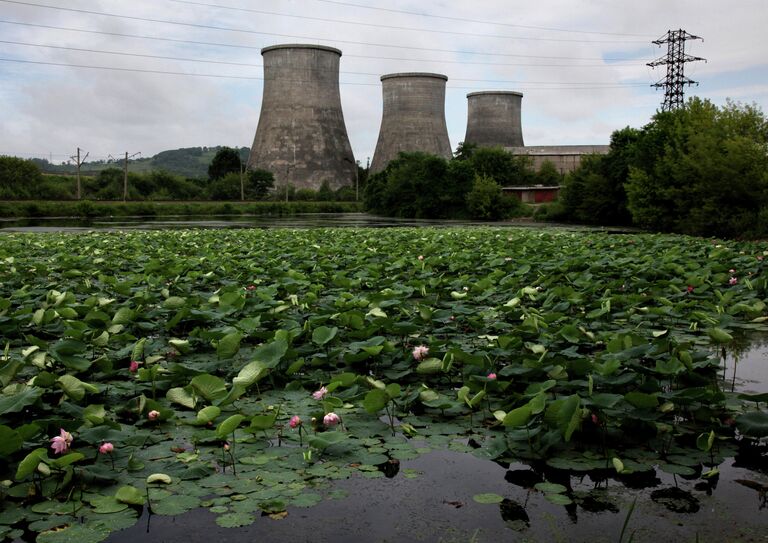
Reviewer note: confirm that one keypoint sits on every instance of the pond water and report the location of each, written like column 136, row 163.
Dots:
column 431, row 499
column 306, row 220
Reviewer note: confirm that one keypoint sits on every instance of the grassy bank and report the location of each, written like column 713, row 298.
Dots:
column 87, row 208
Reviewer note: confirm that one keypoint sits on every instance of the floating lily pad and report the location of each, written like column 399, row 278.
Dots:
column 488, row 498
column 235, row 520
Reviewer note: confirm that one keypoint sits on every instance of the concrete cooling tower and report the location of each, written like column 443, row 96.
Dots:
column 301, row 137
column 493, row 119
column 413, row 118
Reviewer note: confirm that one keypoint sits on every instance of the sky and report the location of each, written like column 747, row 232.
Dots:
column 143, row 76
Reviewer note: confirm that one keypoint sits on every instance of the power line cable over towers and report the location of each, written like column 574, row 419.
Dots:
column 675, row 60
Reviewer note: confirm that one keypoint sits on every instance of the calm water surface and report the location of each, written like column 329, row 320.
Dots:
column 307, row 220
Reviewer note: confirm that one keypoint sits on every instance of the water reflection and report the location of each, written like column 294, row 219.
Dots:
column 306, row 220
column 745, row 364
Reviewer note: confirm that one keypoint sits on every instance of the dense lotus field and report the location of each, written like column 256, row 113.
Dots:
column 243, row 371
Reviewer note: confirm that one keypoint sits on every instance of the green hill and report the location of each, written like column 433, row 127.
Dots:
column 190, row 162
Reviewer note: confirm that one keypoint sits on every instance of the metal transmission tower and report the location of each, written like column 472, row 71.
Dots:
column 675, row 60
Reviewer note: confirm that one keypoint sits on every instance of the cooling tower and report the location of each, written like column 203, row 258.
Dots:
column 493, row 119
column 301, row 137
column 413, row 118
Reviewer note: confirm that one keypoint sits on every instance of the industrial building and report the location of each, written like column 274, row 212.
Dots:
column 301, row 136
column 302, row 139
column 413, row 117
column 493, row 119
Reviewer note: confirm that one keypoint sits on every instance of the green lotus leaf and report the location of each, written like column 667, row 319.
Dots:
column 130, row 495
column 229, row 345
column 209, row 386
column 74, row 532
column 181, row 396
column 10, row 440
column 375, row 400
column 323, row 335
column 229, row 425
column 159, row 478
column 270, row 354
column 488, row 498
column 208, row 414
column 753, row 424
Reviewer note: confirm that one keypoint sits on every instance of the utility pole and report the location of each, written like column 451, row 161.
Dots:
column 242, row 181
column 79, row 163
column 675, row 60
column 125, row 172
column 357, row 180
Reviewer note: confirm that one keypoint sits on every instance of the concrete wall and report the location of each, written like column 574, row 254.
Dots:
column 301, row 136
column 413, row 117
column 566, row 158
column 493, row 119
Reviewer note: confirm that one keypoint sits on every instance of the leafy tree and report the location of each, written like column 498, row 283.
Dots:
column 419, row 185
column 702, row 170
column 486, row 200
column 504, row 167
column 324, row 193
column 256, row 185
column 19, row 179
column 226, row 160
column 548, row 175
column 464, row 151
column 594, row 192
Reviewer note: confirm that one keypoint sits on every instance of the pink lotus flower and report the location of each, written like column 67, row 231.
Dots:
column 250, row 287
column 226, row 446
column 61, row 443
column 731, row 271
column 320, row 394
column 152, row 415
column 733, row 280
column 421, row 257
column 420, row 352
column 295, row 421
column 491, row 376
column 331, row 419
column 760, row 257
column 106, row 448
column 134, row 367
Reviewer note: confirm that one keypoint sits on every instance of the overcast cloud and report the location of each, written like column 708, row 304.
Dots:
column 574, row 92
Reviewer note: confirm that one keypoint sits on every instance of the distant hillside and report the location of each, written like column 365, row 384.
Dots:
column 188, row 162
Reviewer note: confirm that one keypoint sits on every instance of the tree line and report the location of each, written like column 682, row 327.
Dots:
column 227, row 179
column 699, row 170
column 419, row 185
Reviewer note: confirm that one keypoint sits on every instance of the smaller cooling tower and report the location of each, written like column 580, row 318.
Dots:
column 493, row 119
column 413, row 118
column 301, row 136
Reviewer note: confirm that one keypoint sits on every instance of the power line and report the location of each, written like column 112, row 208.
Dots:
column 463, row 20
column 312, row 38
column 221, row 76
column 614, row 61
column 374, row 25
column 186, row 59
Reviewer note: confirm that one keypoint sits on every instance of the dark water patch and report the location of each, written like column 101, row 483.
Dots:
column 438, row 505
column 305, row 220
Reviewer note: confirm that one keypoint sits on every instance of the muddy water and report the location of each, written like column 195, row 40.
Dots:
column 437, row 504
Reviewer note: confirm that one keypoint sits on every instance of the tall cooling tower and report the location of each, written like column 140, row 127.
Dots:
column 301, row 137
column 493, row 119
column 413, row 118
